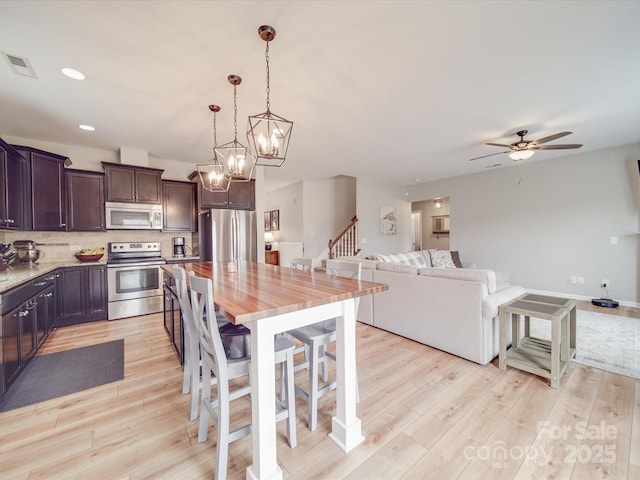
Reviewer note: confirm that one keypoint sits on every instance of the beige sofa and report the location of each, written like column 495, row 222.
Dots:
column 451, row 309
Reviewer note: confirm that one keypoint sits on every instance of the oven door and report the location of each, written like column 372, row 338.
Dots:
column 128, row 282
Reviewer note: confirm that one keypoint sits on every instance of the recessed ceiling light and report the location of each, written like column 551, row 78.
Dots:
column 417, row 179
column 88, row 128
column 71, row 73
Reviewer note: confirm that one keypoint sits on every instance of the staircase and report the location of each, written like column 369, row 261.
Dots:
column 346, row 243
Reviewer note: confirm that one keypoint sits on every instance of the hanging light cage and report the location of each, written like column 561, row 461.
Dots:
column 268, row 134
column 212, row 174
column 237, row 160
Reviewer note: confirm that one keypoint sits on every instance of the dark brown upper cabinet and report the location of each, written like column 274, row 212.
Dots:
column 14, row 188
column 132, row 184
column 47, row 208
column 85, row 201
column 179, row 206
column 240, row 196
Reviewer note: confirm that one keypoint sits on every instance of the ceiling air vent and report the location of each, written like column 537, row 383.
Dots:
column 20, row 65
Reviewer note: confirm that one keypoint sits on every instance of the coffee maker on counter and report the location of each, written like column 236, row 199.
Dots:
column 179, row 247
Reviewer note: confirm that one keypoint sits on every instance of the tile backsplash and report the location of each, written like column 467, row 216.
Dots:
column 76, row 241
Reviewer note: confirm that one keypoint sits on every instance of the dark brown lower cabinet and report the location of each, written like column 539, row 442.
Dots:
column 83, row 294
column 173, row 317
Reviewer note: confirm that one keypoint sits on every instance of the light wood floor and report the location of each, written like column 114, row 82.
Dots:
column 425, row 414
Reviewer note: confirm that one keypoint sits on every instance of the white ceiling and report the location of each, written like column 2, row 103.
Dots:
column 388, row 90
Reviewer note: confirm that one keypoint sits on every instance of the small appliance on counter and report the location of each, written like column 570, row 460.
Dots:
column 179, row 247
column 27, row 251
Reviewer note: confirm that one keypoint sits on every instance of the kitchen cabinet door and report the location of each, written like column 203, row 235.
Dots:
column 178, row 206
column 72, row 295
column 28, row 331
column 148, row 186
column 85, row 201
column 96, row 292
column 47, row 210
column 46, row 312
column 11, row 345
column 14, row 188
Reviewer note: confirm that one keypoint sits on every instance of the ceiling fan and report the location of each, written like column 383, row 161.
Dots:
column 523, row 149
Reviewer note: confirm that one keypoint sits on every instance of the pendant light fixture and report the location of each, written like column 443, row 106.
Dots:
column 212, row 174
column 235, row 157
column 268, row 134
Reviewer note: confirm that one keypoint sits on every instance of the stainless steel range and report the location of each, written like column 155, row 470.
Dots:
column 135, row 279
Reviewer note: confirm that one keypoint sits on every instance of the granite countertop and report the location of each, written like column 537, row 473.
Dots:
column 15, row 275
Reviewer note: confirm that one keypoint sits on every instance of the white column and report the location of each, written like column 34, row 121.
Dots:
column 346, row 430
column 263, row 413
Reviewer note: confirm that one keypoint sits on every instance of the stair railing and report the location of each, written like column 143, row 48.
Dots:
column 346, row 243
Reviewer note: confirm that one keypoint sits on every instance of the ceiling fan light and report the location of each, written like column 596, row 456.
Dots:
column 521, row 154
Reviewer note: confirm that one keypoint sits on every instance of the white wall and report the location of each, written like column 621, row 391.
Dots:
column 544, row 222
column 370, row 197
column 289, row 201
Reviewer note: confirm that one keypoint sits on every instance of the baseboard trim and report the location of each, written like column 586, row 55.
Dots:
column 572, row 296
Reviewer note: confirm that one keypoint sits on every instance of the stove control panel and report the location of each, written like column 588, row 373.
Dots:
column 133, row 247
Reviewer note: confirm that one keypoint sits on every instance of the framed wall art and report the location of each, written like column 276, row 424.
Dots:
column 267, row 221
column 275, row 220
column 387, row 221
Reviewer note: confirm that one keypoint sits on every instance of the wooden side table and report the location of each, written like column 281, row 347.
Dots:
column 549, row 359
column 272, row 257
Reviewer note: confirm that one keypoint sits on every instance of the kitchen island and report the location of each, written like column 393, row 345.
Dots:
column 269, row 300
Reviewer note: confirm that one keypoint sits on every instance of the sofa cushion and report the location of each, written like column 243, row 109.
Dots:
column 416, row 259
column 487, row 277
column 441, row 258
column 397, row 267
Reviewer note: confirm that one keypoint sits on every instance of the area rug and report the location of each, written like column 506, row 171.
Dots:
column 604, row 341
column 61, row 373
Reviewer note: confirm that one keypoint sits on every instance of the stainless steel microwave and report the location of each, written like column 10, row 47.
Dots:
column 133, row 216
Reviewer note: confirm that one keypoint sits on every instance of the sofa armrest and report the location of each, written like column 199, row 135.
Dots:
column 491, row 303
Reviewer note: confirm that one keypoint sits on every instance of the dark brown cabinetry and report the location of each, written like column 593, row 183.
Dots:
column 173, row 322
column 272, row 257
column 240, row 196
column 83, row 294
column 14, row 188
column 46, row 208
column 179, row 206
column 85, row 201
column 132, row 184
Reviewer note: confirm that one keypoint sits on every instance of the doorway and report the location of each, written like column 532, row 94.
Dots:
column 416, row 230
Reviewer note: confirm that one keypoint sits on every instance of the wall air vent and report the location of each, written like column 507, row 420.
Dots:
column 19, row 65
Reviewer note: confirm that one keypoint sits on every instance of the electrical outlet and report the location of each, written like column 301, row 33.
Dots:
column 605, row 283
column 581, row 280
column 74, row 248
column 573, row 279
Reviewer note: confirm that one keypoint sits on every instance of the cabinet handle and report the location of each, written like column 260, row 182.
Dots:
column 63, row 224
column 23, row 313
column 50, row 294
column 52, row 277
column 11, row 220
column 39, row 284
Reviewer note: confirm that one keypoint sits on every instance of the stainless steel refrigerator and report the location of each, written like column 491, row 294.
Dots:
column 228, row 235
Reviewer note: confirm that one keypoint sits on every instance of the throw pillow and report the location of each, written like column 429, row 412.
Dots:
column 441, row 258
column 415, row 259
column 455, row 256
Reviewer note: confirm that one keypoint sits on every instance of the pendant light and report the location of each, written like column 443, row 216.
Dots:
column 212, row 174
column 268, row 134
column 236, row 158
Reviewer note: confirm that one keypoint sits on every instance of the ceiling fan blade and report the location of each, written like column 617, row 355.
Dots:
column 557, row 147
column 498, row 145
column 552, row 137
column 490, row 155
